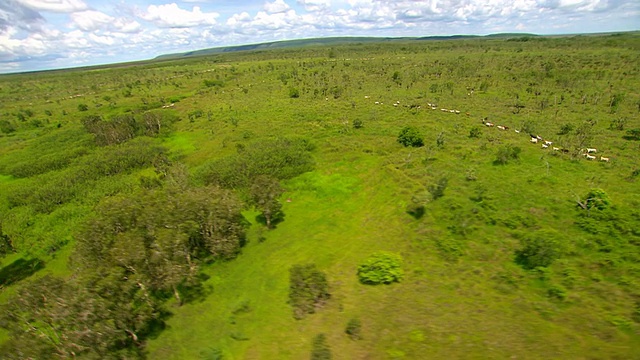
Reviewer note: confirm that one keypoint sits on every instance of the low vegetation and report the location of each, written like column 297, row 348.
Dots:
column 253, row 204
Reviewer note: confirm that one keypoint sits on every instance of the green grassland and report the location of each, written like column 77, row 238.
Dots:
column 463, row 294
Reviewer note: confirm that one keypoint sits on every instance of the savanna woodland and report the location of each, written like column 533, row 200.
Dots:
column 462, row 198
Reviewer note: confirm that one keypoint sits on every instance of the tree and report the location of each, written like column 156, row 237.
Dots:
column 410, row 136
column 381, row 268
column 308, row 289
column 70, row 319
column 265, row 192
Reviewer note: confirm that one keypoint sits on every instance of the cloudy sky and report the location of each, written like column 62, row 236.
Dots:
column 46, row 34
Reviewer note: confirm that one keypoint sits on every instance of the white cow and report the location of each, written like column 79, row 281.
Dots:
column 602, row 158
column 534, row 140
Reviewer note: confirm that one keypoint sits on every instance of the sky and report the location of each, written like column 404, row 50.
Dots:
column 51, row 34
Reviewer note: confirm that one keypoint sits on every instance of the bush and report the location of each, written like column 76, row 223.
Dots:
column 475, row 132
column 308, row 289
column 357, row 124
column 539, row 249
column 294, row 93
column 381, row 268
column 565, row 129
column 321, row 349
column 354, row 327
column 506, row 153
column 410, row 136
column 437, row 190
column 83, row 107
column 598, row 199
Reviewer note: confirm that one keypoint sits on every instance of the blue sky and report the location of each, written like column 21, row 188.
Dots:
column 49, row 34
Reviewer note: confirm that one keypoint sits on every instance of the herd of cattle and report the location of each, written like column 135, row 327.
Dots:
column 535, row 139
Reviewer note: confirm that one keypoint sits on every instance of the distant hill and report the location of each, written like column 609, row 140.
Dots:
column 323, row 41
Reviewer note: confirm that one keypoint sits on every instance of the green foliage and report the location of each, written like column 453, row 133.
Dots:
column 566, row 129
column 320, row 349
column 437, row 190
column 633, row 134
column 264, row 193
column 358, row 124
column 410, row 136
column 381, row 268
column 597, row 199
column 539, row 249
column 121, row 128
column 294, row 93
column 507, row 153
column 83, row 107
column 282, row 159
column 213, row 83
column 618, row 124
column 7, row 127
column 475, row 132
column 308, row 289
column 354, row 329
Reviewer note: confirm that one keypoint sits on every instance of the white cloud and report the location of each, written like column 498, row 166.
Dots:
column 60, row 6
column 315, row 5
column 171, row 16
column 92, row 20
column 276, row 7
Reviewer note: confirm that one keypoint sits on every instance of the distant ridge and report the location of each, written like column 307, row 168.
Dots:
column 326, row 41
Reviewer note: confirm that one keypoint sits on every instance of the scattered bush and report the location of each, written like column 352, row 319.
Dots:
column 321, row 349
column 506, row 153
column 597, row 199
column 475, row 132
column 357, row 124
column 294, row 93
column 410, row 136
column 354, row 328
column 539, row 249
column 308, row 289
column 565, row 129
column 437, row 190
column 633, row 134
column 381, row 268
column 83, row 107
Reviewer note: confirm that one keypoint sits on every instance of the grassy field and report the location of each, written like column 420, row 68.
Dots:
column 463, row 294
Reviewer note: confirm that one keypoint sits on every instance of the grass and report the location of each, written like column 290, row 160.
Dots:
column 462, row 296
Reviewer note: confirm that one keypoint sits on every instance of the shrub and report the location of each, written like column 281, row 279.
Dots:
column 83, row 107
column 437, row 190
column 410, row 136
column 381, row 268
column 597, row 199
column 308, row 289
column 539, row 249
column 357, row 124
column 506, row 153
column 565, row 129
column 321, row 349
column 354, row 327
column 294, row 93
column 632, row 134
column 475, row 132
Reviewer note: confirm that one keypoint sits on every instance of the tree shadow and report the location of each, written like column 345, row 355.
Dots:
column 19, row 270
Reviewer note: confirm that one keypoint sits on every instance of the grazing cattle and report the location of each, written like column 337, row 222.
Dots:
column 566, row 151
column 556, row 148
column 544, row 146
column 548, row 142
column 534, row 140
column 591, row 150
column 589, row 157
column 377, row 102
column 602, row 158
column 366, row 96
column 517, row 131
column 395, row 104
column 457, row 111
column 445, row 110
column 539, row 137
column 501, row 127
column 489, row 124
column 434, row 108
